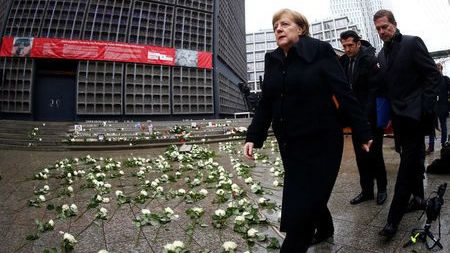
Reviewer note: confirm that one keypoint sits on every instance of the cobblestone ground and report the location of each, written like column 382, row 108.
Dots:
column 21, row 204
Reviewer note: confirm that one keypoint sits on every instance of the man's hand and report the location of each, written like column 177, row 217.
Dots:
column 366, row 146
column 248, row 150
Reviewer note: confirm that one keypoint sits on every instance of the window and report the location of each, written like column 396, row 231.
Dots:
column 270, row 36
column 250, row 57
column 260, row 46
column 259, row 66
column 316, row 27
column 271, row 45
column 329, row 25
column 318, row 36
column 259, row 37
column 259, row 56
column 249, row 38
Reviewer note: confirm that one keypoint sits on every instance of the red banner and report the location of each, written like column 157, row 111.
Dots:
column 100, row 51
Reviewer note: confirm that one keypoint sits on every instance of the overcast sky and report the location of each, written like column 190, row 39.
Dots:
column 429, row 19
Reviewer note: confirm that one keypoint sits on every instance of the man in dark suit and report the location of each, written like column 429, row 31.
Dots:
column 361, row 67
column 411, row 83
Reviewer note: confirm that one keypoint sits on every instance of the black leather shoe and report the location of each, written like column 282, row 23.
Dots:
column 381, row 197
column 361, row 198
column 320, row 237
column 389, row 230
column 413, row 205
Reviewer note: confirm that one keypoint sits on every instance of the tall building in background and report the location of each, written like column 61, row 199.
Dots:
column 261, row 42
column 360, row 13
column 147, row 59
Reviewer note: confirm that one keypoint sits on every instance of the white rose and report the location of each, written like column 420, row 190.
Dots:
column 262, row 200
column 203, row 192
column 229, row 245
column 169, row 247
column 70, row 189
column 145, row 211
column 168, row 210
column 46, row 187
column 42, row 198
column 178, row 244
column 239, row 219
column 51, row 223
column 105, row 200
column 252, row 232
column 220, row 212
column 119, row 193
column 70, row 238
column 74, row 208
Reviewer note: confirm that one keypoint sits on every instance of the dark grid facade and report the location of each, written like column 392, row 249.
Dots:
column 127, row 90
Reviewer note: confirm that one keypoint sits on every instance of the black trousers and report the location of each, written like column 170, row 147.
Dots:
column 299, row 240
column 371, row 164
column 409, row 134
column 311, row 164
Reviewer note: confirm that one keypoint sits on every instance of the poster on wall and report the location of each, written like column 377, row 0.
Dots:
column 21, row 46
column 103, row 51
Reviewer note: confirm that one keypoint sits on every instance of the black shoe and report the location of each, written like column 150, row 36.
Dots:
column 389, row 230
column 381, row 197
column 361, row 198
column 320, row 237
column 413, row 205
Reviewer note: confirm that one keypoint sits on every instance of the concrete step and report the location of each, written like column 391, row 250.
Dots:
column 117, row 135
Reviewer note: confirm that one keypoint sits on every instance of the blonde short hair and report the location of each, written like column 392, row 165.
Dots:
column 297, row 17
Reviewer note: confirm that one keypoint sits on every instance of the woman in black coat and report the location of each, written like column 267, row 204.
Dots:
column 301, row 76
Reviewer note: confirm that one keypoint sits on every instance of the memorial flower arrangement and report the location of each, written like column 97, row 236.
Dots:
column 162, row 179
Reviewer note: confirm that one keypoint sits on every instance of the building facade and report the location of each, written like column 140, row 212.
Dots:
column 145, row 59
column 261, row 42
column 360, row 12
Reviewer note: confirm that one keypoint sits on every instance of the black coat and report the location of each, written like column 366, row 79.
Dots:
column 364, row 80
column 297, row 94
column 444, row 87
column 297, row 100
column 412, row 82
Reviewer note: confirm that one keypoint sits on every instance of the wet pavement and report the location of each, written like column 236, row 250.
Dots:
column 124, row 227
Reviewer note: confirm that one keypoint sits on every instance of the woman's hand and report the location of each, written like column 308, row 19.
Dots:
column 248, row 150
column 366, row 146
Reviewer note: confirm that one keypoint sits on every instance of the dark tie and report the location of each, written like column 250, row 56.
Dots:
column 350, row 70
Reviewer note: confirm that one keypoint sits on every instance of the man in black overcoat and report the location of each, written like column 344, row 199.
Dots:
column 361, row 67
column 411, row 81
